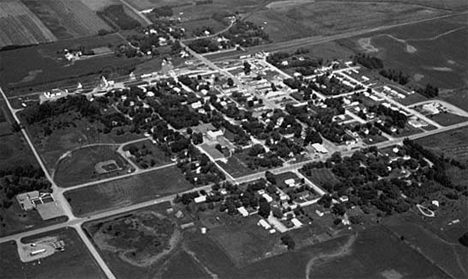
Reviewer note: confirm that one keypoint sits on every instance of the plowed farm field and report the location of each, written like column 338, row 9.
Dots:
column 67, row 19
column 19, row 26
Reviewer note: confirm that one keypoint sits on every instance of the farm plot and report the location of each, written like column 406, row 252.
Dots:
column 20, row 26
column 452, row 144
column 67, row 19
column 127, row 191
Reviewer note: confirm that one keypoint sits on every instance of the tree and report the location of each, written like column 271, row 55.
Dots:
column 264, row 208
column 230, row 82
column 288, row 241
column 270, row 177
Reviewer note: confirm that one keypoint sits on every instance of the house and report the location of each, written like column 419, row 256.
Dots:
column 25, row 200
column 344, row 198
column 290, row 182
column 197, row 105
column 243, row 211
column 296, row 222
column 319, row 148
column 264, row 224
column 200, row 199
column 213, row 135
column 267, row 197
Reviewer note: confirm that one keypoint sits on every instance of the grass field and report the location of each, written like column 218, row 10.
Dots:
column 243, row 240
column 236, row 166
column 191, row 269
column 127, row 191
column 322, row 176
column 17, row 220
column 20, row 26
column 135, row 244
column 79, row 165
column 453, row 144
column 447, row 4
column 447, row 119
column 434, row 51
column 38, row 68
column 67, row 19
column 458, row 98
column 74, row 262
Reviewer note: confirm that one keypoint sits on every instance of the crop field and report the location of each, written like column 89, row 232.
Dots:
column 20, row 26
column 286, row 20
column 452, row 144
column 74, row 262
column 127, row 191
column 67, row 19
column 433, row 51
column 134, row 243
column 446, row 5
column 79, row 165
column 38, row 68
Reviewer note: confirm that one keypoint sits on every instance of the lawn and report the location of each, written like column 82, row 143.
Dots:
column 136, row 244
column 74, row 262
column 79, row 165
column 127, row 191
column 147, row 154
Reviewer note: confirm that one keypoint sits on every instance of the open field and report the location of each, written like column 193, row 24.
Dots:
column 127, row 191
column 458, row 98
column 39, row 68
column 79, row 166
column 236, row 167
column 434, row 51
column 16, row 220
column 243, row 240
column 135, row 244
column 322, row 176
column 298, row 19
column 172, row 270
column 20, row 26
column 74, row 262
column 67, row 19
column 446, row 252
column 65, row 139
column 453, row 144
